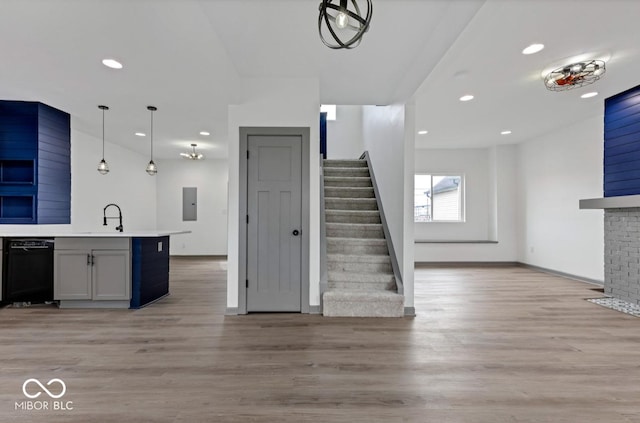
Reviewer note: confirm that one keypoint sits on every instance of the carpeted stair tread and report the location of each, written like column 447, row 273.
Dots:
column 349, row 192
column 352, row 216
column 360, row 172
column 355, row 230
column 338, row 245
column 377, row 277
column 347, row 181
column 359, row 264
column 343, row 163
column 332, row 203
column 361, row 286
column 359, row 258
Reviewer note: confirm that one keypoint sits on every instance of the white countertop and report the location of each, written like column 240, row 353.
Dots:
column 114, row 234
column 621, row 202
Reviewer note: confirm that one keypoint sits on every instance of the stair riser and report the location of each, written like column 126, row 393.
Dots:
column 346, row 172
column 349, row 192
column 352, row 217
column 357, row 249
column 352, row 258
column 332, row 308
column 354, row 232
column 359, row 267
column 348, row 182
column 362, row 286
column 386, row 278
column 345, row 204
column 344, row 163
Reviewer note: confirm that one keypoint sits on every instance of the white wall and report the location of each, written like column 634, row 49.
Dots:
column 209, row 233
column 490, row 206
column 275, row 102
column 555, row 171
column 385, row 139
column 126, row 184
column 383, row 129
column 408, row 248
column 344, row 135
column 473, row 164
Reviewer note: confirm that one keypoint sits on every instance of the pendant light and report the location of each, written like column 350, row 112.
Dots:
column 152, row 169
column 343, row 25
column 103, row 167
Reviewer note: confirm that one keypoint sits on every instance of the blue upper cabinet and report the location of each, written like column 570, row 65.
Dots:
column 35, row 165
column 622, row 144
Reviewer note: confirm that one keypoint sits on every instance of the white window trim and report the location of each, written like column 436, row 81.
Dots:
column 463, row 190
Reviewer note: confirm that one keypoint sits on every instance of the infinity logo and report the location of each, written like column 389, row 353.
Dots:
column 43, row 388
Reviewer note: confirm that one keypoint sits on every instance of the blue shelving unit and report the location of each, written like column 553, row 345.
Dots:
column 35, row 164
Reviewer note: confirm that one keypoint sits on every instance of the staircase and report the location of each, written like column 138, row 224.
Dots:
column 361, row 282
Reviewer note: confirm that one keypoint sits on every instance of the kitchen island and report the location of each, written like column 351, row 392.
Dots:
column 108, row 269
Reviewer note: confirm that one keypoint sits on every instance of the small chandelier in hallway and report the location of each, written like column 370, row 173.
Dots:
column 345, row 26
column 192, row 155
column 152, row 169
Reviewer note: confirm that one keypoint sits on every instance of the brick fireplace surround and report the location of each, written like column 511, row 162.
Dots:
column 621, row 201
column 622, row 253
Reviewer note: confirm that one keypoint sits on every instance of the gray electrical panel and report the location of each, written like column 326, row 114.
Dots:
column 189, row 203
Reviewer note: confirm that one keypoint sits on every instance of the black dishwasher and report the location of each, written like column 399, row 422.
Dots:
column 28, row 270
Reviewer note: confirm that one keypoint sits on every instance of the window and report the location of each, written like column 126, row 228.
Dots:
column 438, row 198
column 330, row 109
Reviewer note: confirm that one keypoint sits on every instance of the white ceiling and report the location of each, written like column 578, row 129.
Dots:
column 188, row 58
column 486, row 61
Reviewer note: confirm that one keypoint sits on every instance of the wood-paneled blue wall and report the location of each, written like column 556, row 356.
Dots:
column 54, row 166
column 622, row 144
column 149, row 270
column 35, row 166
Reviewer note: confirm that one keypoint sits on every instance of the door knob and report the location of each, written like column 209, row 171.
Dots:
column 296, row 232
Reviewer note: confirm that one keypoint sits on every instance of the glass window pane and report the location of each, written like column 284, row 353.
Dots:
column 447, row 198
column 422, row 198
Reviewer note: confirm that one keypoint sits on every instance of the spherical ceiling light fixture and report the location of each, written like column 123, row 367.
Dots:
column 575, row 75
column 344, row 26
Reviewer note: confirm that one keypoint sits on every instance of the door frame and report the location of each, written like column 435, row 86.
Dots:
column 304, row 134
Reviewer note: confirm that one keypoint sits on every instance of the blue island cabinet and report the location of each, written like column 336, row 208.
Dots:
column 149, row 270
column 35, row 165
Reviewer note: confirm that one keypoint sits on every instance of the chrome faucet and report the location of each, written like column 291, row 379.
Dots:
column 104, row 214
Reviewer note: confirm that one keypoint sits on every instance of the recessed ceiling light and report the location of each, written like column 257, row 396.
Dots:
column 205, row 133
column 589, row 95
column 141, row 134
column 467, row 97
column 111, row 63
column 533, row 49
column 423, row 132
column 505, row 132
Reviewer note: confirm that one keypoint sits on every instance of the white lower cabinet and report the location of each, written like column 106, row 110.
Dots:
column 92, row 272
column 72, row 275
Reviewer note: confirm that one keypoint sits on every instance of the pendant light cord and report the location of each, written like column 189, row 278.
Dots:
column 102, row 134
column 151, row 134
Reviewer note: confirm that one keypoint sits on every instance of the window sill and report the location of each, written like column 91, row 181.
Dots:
column 456, row 241
column 439, row 222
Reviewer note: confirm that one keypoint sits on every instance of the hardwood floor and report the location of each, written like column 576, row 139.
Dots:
column 488, row 345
